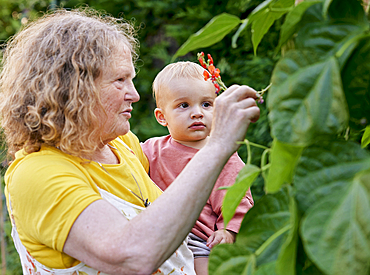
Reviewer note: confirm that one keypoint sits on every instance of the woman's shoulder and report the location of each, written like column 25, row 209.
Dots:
column 47, row 154
column 37, row 165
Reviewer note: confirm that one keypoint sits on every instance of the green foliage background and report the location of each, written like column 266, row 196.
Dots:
column 163, row 27
column 314, row 218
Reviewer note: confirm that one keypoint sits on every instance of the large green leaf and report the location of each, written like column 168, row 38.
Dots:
column 286, row 264
column 336, row 229
column 349, row 11
column 265, row 225
column 326, row 166
column 266, row 269
column 312, row 270
column 306, row 100
column 330, row 38
column 229, row 259
column 339, row 34
column 292, row 19
column 313, row 13
column 236, row 192
column 261, row 235
column 264, row 16
column 213, row 32
column 283, row 160
column 356, row 85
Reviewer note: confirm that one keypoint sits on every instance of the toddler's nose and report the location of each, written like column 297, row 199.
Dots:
column 197, row 113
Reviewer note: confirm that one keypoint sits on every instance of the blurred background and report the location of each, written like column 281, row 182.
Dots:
column 163, row 27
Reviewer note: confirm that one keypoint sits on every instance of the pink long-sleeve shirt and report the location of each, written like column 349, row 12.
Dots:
column 167, row 158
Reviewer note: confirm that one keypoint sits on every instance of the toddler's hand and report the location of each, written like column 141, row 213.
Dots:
column 221, row 236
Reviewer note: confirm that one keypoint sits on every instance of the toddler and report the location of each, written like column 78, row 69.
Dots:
column 185, row 105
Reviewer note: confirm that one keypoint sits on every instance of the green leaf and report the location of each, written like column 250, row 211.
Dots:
column 306, row 100
column 264, row 16
column 286, row 263
column 326, row 7
column 336, row 229
column 266, row 269
column 356, row 85
column 325, row 167
column 329, row 38
column 213, row 32
column 229, row 259
column 237, row 191
column 349, row 11
column 312, row 270
column 263, row 232
column 265, row 225
column 283, row 160
column 366, row 137
column 292, row 19
column 250, row 266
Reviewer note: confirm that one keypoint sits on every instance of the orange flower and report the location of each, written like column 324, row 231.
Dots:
column 217, row 72
column 202, row 63
column 206, row 75
column 211, row 72
column 211, row 69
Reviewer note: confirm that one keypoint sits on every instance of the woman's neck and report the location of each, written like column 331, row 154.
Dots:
column 105, row 155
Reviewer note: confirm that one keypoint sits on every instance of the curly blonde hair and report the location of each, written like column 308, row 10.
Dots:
column 180, row 69
column 47, row 83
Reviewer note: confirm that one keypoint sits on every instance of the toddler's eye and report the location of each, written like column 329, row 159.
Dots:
column 184, row 105
column 207, row 104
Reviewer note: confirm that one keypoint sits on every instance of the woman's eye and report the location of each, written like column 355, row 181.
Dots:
column 120, row 79
column 184, row 105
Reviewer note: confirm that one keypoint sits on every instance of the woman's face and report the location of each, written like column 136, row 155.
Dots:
column 117, row 93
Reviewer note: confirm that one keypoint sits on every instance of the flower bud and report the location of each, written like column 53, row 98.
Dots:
column 217, row 87
column 210, row 59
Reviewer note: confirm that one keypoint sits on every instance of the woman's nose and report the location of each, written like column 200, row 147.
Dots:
column 132, row 94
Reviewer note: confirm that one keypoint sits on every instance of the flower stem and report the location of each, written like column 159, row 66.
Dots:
column 249, row 158
column 258, row 145
column 264, row 90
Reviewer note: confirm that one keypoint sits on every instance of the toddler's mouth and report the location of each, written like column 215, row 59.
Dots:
column 197, row 126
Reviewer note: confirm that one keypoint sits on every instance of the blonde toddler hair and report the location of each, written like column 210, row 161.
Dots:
column 182, row 69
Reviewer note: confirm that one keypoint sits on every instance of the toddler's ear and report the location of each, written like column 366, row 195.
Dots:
column 160, row 117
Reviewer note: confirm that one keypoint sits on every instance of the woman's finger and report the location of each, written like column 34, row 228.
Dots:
column 240, row 92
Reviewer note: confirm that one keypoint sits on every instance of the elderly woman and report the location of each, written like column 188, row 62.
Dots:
column 78, row 184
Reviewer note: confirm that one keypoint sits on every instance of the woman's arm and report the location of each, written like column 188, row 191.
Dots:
column 103, row 239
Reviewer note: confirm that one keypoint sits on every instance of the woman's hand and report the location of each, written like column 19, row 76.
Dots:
column 234, row 110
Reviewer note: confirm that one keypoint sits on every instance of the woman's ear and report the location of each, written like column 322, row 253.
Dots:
column 159, row 115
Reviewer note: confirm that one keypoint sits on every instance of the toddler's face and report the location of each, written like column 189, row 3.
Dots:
column 188, row 108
